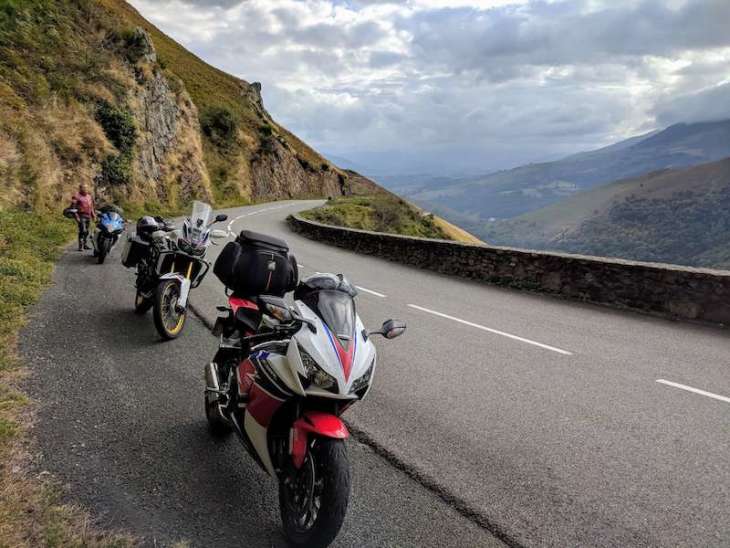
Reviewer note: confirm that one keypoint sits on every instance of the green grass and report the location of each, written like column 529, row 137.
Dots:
column 31, row 512
column 380, row 213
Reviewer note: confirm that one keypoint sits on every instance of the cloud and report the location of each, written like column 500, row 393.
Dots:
column 465, row 84
column 707, row 105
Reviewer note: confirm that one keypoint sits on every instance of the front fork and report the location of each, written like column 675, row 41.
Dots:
column 184, row 281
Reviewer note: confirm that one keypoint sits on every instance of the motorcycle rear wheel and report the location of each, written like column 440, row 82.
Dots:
column 168, row 321
column 313, row 500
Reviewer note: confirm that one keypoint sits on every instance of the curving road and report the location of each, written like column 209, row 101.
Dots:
column 500, row 417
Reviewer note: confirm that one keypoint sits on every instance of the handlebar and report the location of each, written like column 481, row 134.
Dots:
column 277, row 331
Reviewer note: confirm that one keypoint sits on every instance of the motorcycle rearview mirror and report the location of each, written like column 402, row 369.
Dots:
column 309, row 323
column 391, row 329
column 218, row 234
column 219, row 219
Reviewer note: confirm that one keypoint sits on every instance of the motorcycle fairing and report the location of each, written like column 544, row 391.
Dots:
column 345, row 356
column 321, row 346
column 238, row 302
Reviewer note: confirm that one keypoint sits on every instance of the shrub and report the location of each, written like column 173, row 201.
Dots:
column 118, row 125
column 117, row 169
column 135, row 44
column 219, row 125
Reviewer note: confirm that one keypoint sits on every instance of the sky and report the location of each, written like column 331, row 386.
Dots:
column 462, row 87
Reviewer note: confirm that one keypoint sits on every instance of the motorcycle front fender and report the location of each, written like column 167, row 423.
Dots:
column 314, row 423
column 182, row 301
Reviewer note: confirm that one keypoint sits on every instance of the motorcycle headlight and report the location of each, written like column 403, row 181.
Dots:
column 364, row 380
column 189, row 247
column 316, row 374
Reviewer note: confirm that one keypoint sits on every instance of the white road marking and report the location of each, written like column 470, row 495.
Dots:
column 257, row 212
column 371, row 292
column 495, row 331
column 695, row 390
column 300, row 265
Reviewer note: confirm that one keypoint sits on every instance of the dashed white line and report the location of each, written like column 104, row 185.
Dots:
column 494, row 331
column 695, row 390
column 371, row 292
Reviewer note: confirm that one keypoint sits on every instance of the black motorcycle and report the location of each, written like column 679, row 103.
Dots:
column 169, row 264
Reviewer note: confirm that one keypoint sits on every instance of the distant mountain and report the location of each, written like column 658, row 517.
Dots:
column 507, row 194
column 674, row 216
column 344, row 163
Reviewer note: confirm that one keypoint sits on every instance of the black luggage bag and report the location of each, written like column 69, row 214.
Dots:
column 257, row 264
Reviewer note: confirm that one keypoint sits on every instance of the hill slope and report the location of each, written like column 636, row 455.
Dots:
column 675, row 216
column 510, row 193
column 91, row 92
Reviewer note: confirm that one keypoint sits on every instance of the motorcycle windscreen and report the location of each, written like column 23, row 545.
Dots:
column 337, row 310
column 199, row 222
column 201, row 215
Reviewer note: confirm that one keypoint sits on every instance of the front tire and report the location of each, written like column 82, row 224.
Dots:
column 103, row 250
column 313, row 500
column 141, row 304
column 168, row 321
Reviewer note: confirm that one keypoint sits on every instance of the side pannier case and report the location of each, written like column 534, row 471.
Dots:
column 134, row 249
column 257, row 264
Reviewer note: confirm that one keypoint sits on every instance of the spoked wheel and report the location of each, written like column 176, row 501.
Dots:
column 313, row 500
column 141, row 303
column 168, row 321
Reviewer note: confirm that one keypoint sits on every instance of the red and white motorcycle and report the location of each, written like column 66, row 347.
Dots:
column 282, row 377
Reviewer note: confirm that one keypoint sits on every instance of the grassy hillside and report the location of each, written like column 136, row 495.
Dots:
column 370, row 207
column 380, row 213
column 528, row 188
column 674, row 216
column 92, row 92
column 236, row 126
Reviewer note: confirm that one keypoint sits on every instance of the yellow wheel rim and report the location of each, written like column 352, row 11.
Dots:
column 174, row 330
column 178, row 326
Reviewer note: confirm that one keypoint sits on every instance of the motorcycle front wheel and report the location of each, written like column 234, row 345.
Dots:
column 141, row 303
column 313, row 500
column 168, row 321
column 103, row 246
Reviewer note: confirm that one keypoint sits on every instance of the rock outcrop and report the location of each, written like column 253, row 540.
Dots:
column 169, row 161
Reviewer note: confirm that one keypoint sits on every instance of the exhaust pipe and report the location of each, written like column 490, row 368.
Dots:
column 212, row 386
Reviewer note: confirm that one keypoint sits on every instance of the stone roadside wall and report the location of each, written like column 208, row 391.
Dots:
column 661, row 290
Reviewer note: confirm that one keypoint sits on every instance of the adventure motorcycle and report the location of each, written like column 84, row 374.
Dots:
column 281, row 378
column 169, row 264
column 106, row 234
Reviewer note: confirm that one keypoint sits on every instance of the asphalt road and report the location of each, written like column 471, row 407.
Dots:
column 499, row 413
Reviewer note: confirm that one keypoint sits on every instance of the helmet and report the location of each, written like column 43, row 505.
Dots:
column 146, row 226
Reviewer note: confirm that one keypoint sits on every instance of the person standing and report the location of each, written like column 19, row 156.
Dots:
column 84, row 203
